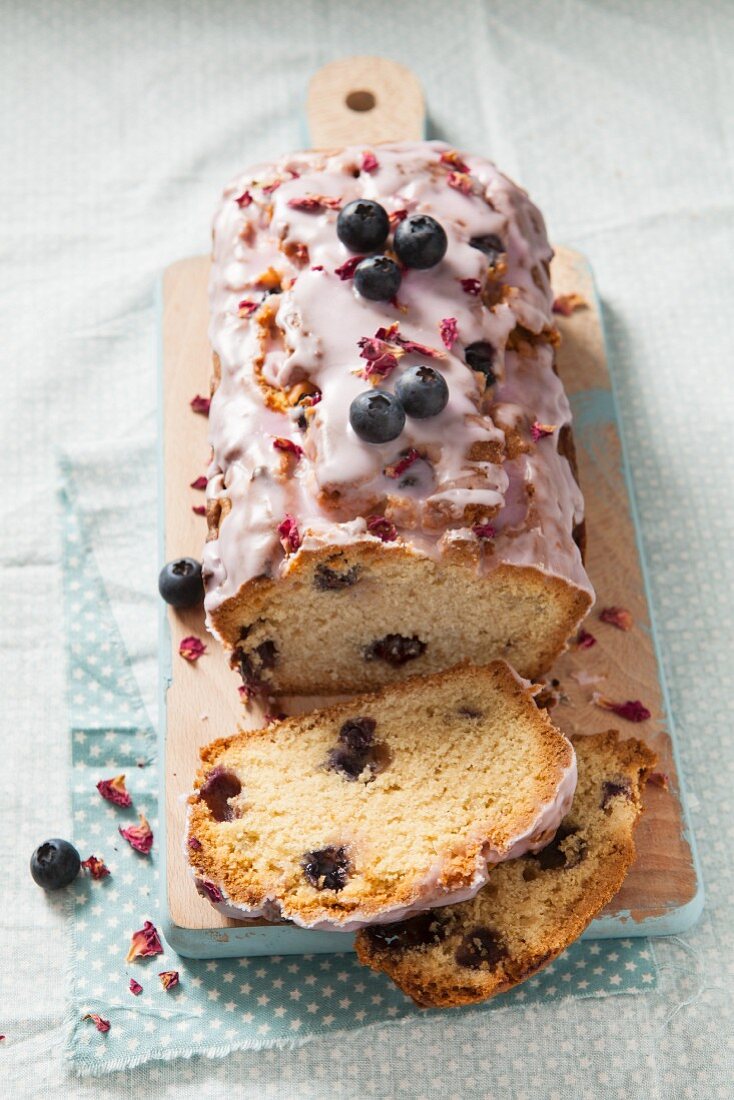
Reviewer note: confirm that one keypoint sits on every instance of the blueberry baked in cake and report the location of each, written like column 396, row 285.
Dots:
column 383, row 806
column 392, row 488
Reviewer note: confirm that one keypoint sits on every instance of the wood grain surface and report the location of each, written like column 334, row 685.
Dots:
column 202, row 700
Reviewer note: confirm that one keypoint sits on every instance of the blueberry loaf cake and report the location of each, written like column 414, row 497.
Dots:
column 384, row 806
column 531, row 908
column 392, row 487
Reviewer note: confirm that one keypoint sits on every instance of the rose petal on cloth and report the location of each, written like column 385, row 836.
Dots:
column 617, row 616
column 99, row 1022
column 96, row 867
column 191, row 648
column 135, row 988
column 632, row 710
column 139, row 837
column 169, row 978
column 144, row 942
column 114, row 790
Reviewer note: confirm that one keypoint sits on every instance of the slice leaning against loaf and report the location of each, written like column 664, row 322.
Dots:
column 532, row 908
column 382, row 806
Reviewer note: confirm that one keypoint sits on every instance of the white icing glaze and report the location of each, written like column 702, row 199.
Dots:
column 313, row 335
column 430, row 893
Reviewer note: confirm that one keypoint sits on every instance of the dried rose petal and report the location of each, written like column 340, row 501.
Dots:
column 382, row 528
column 449, row 330
column 484, row 530
column 247, row 307
column 566, row 304
column 246, row 693
column 584, row 640
column 289, row 535
column 114, row 790
column 199, row 483
column 191, row 648
column 268, row 188
column 617, row 616
column 144, row 942
column 288, row 446
column 99, row 1022
column 212, row 892
column 96, row 867
column 200, row 404
column 540, row 431
column 312, row 204
column 450, row 156
column 370, row 163
column 169, row 978
column 397, row 217
column 632, row 711
column 139, row 837
column 420, row 349
column 135, row 988
column 317, row 267
column 194, row 844
column 198, row 509
column 347, row 269
column 396, row 469
column 471, row 286
column 244, row 200
column 460, row 182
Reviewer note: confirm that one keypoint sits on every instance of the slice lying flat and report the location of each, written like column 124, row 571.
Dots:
column 531, row 908
column 380, row 807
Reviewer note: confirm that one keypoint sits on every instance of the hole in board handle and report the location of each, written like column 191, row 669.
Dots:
column 360, row 101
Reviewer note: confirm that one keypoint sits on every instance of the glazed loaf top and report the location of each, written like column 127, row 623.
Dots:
column 295, row 343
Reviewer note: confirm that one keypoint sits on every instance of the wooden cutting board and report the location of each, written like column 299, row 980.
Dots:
column 369, row 99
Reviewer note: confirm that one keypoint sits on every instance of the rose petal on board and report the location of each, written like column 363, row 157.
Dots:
column 191, row 648
column 632, row 710
column 617, row 616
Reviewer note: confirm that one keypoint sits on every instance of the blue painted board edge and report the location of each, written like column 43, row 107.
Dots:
column 289, row 940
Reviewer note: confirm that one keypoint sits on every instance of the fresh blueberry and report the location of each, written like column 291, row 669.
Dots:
column 377, row 416
column 490, row 244
column 55, row 864
column 180, row 584
column 420, row 241
column 422, row 391
column 378, row 278
column 480, row 357
column 363, row 225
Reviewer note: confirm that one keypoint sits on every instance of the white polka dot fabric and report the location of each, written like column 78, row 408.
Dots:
column 120, row 124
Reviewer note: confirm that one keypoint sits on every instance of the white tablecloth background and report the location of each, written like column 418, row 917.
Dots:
column 120, row 124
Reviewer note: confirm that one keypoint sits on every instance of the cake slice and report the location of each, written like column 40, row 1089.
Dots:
column 380, row 807
column 532, row 908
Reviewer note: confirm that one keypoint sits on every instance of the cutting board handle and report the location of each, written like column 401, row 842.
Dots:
column 364, row 99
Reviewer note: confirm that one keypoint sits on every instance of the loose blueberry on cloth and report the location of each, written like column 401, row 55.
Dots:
column 218, row 1005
